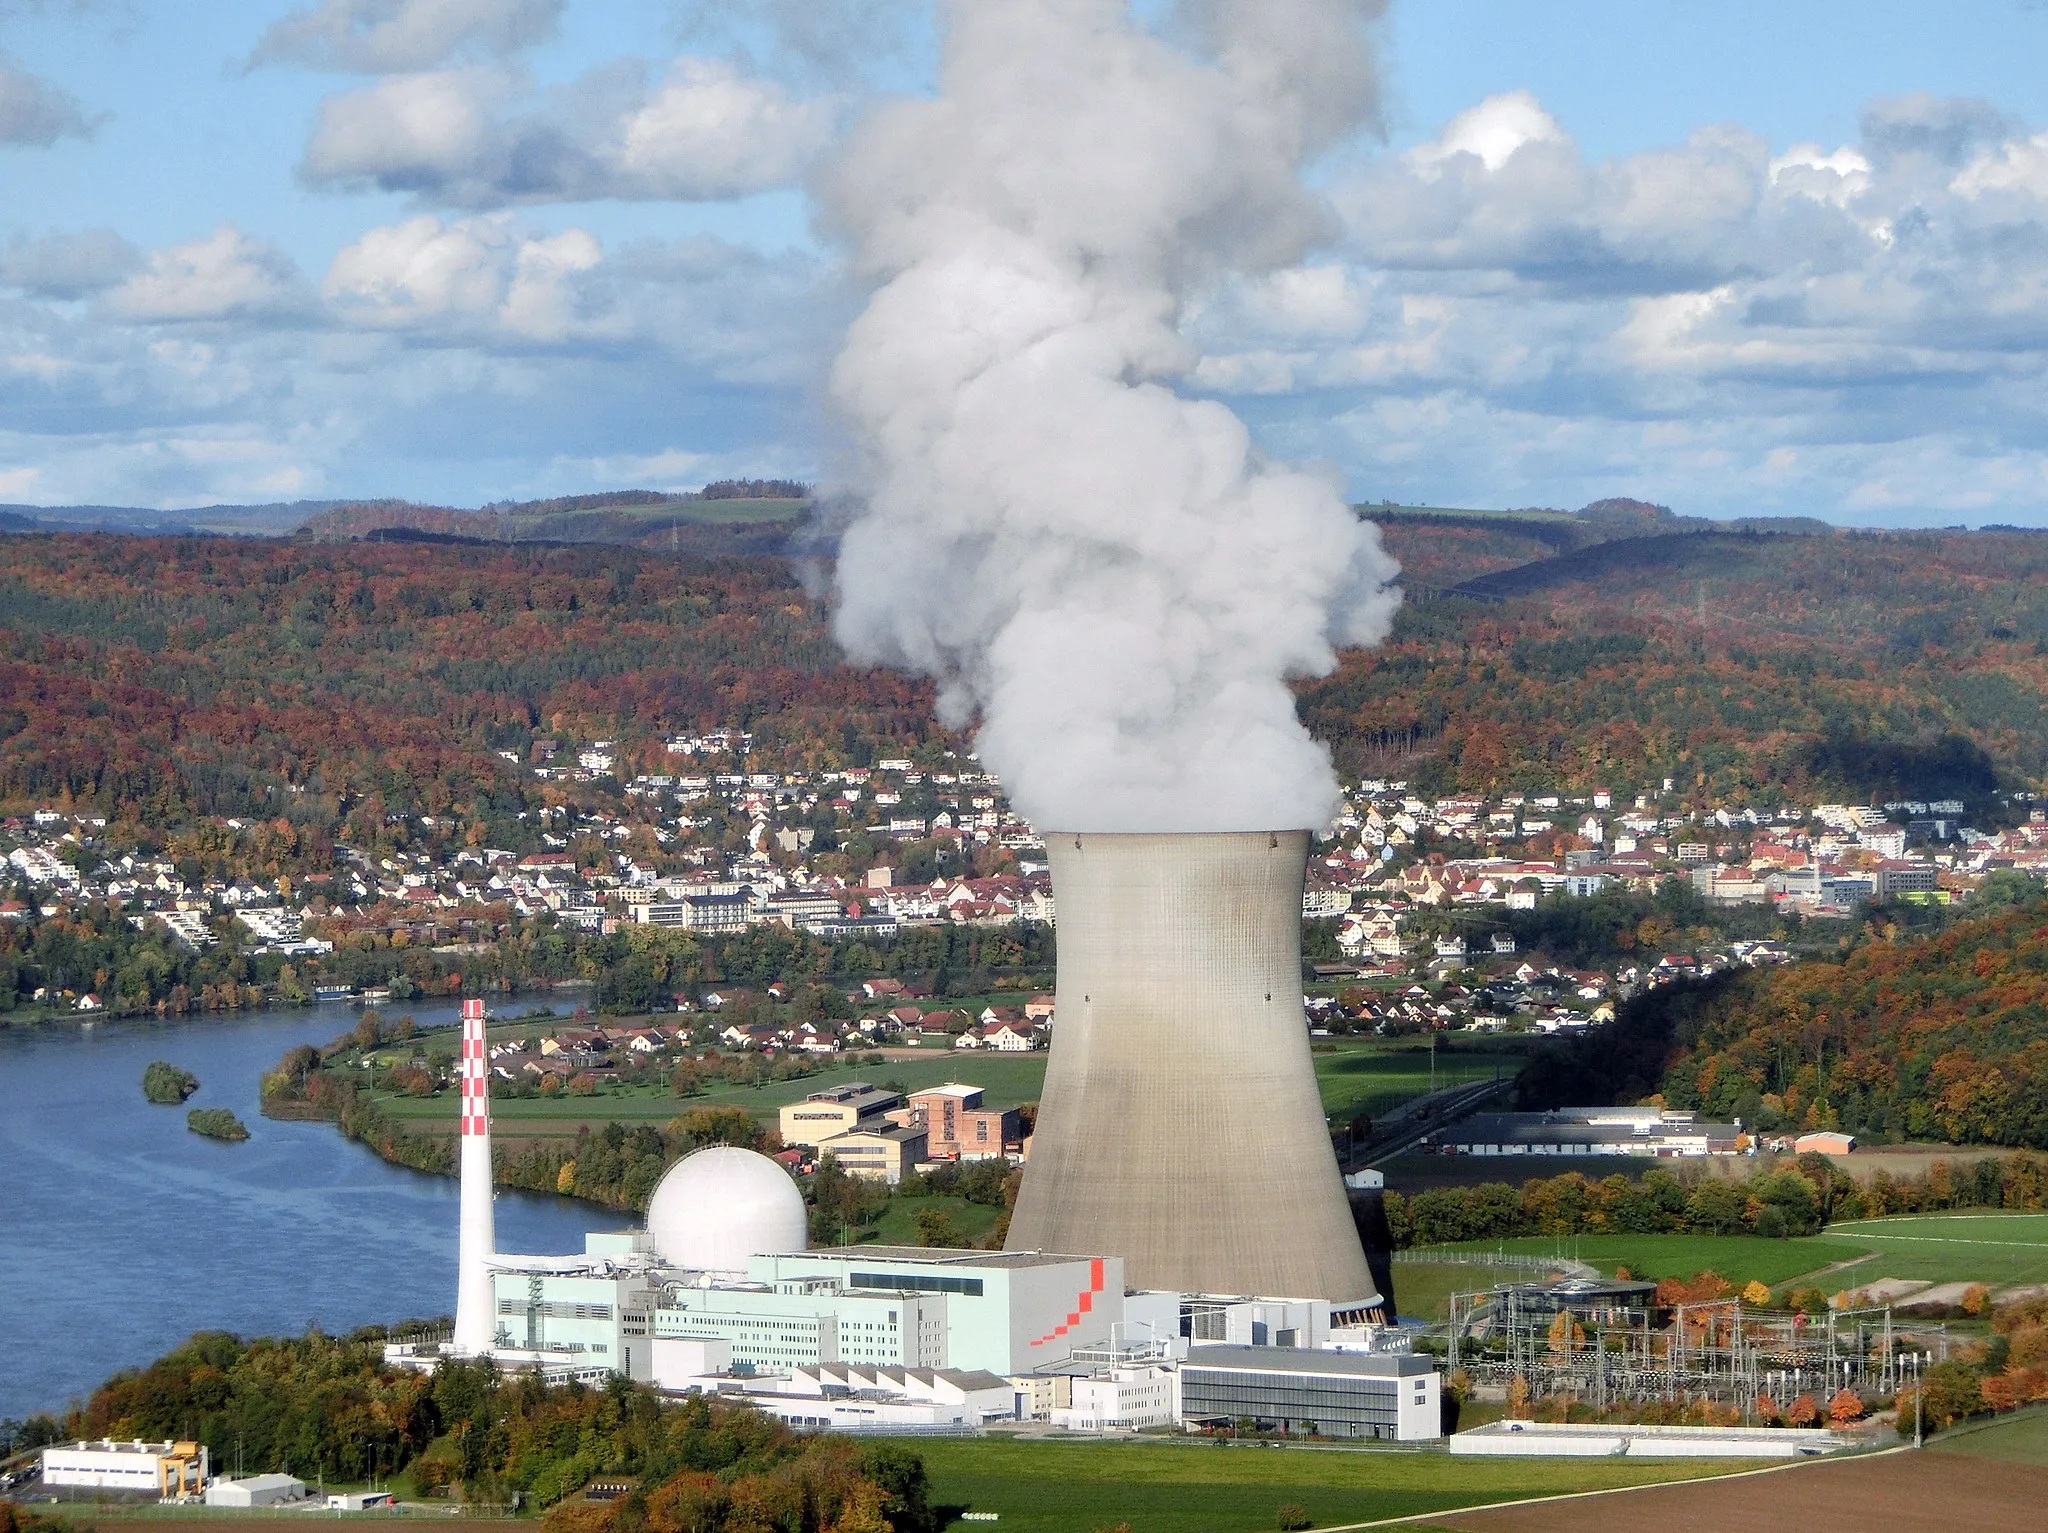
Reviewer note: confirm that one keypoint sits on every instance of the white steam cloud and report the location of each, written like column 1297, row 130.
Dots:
column 1107, row 573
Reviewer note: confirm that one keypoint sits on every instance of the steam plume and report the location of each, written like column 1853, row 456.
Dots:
column 1107, row 573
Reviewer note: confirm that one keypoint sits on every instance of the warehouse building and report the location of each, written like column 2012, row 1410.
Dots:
column 1587, row 1131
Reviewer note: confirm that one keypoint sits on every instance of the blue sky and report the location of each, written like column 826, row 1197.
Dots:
column 1738, row 258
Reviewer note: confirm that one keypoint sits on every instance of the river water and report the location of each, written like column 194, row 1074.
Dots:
column 122, row 1232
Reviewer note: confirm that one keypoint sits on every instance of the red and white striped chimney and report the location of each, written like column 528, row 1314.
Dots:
column 475, row 1320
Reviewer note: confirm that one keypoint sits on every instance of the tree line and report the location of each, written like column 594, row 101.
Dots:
column 1801, row 1197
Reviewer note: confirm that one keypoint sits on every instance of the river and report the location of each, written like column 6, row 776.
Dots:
column 122, row 1232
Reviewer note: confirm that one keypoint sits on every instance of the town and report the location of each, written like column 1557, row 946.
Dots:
column 1416, row 900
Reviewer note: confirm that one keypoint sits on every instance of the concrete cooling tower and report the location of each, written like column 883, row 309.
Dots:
column 1180, row 1126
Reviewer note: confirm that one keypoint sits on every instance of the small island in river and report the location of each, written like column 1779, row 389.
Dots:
column 216, row 1123
column 166, row 1084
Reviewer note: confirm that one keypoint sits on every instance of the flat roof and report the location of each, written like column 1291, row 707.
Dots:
column 933, row 1256
column 1311, row 1360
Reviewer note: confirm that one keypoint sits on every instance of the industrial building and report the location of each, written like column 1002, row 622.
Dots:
column 825, row 1115
column 1394, row 1395
column 1587, row 1131
column 157, row 1469
column 884, row 1135
column 1181, row 1128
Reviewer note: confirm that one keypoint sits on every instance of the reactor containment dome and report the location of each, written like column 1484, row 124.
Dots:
column 718, row 1208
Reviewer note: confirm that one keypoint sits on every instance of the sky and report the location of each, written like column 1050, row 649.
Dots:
column 1739, row 259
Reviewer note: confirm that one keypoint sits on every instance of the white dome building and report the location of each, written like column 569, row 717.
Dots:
column 720, row 1206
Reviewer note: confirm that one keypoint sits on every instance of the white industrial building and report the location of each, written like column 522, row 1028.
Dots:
column 1393, row 1395
column 159, row 1469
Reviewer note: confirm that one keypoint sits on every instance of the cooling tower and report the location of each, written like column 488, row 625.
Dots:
column 1180, row 1126
column 475, row 1324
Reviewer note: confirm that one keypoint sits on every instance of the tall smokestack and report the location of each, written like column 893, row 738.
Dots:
column 474, row 1320
column 1181, row 1127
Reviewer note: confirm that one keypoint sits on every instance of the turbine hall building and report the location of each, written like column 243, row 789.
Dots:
column 1180, row 1003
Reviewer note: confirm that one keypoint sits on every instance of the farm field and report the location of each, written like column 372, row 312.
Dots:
column 1203, row 1487
column 1898, row 1492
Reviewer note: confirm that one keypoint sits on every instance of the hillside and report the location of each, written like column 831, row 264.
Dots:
column 162, row 678
column 757, row 519
column 1942, row 1037
column 1746, row 666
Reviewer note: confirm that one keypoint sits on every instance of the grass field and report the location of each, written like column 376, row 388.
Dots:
column 2021, row 1439
column 1364, row 1076
column 1738, row 1258
column 1201, row 1487
column 1422, row 1290
column 1994, row 1248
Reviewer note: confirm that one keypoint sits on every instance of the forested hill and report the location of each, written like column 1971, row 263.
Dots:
column 183, row 675
column 329, row 685
column 1935, row 1038
column 1752, row 668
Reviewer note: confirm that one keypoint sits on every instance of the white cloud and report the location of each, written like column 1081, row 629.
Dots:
column 710, row 132
column 35, row 111
column 1491, row 132
column 479, row 276
column 410, row 132
column 388, row 36
column 1851, row 330
column 226, row 276
column 475, row 137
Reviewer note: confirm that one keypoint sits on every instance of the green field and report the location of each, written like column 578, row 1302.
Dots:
column 1994, row 1248
column 1203, row 1487
column 2020, row 1439
column 1738, row 1258
column 1370, row 1076
column 1009, row 1079
column 1422, row 1290
column 1358, row 1076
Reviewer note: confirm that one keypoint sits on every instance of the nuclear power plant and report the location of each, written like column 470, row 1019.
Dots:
column 1160, row 1285
column 1180, row 1127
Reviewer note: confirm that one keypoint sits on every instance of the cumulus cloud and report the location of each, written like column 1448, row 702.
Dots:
column 36, row 112
column 226, row 276
column 478, row 276
column 474, row 137
column 1717, row 323
column 388, row 36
